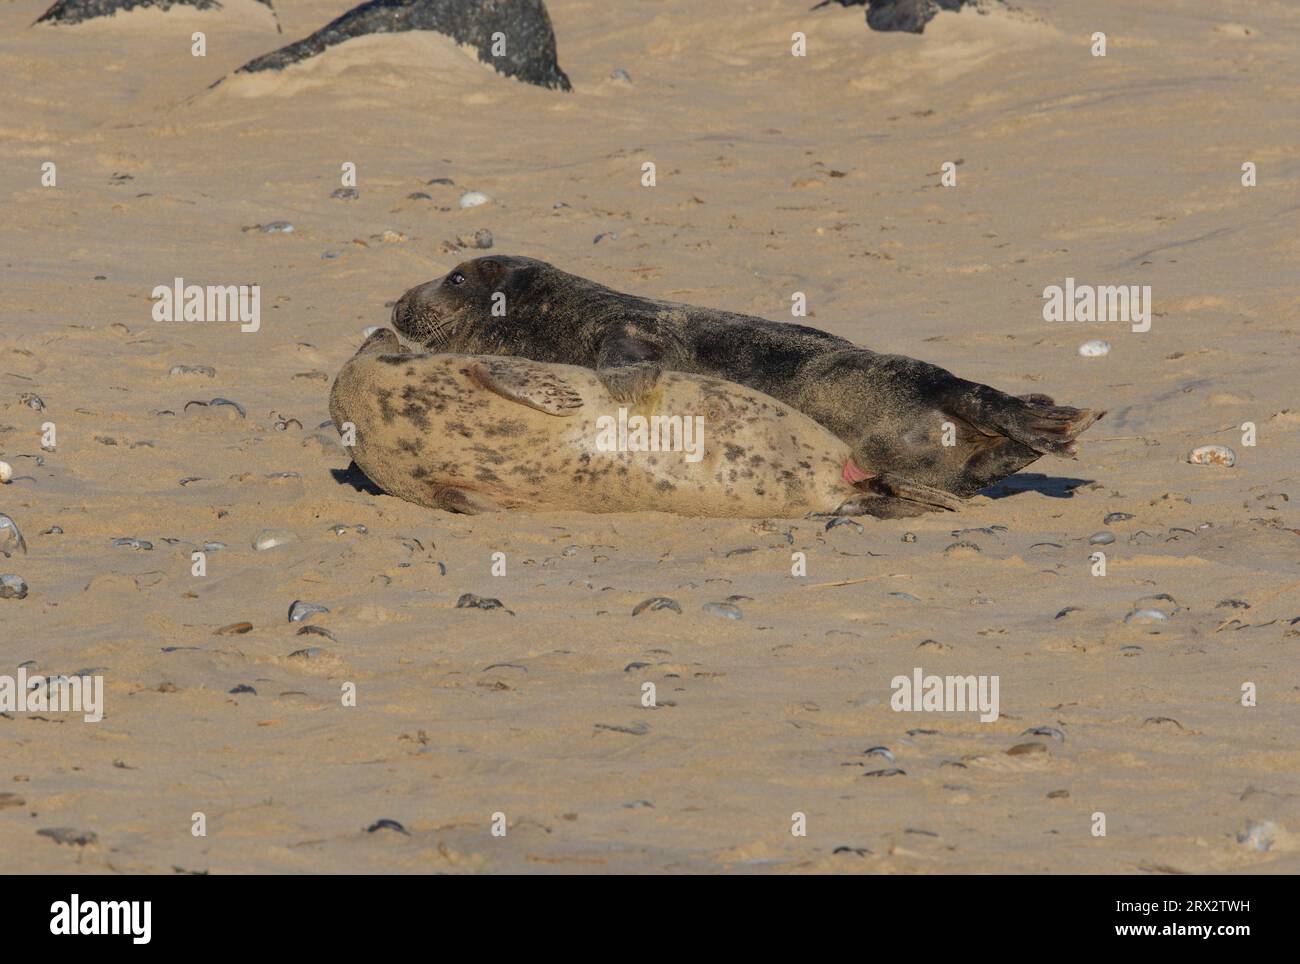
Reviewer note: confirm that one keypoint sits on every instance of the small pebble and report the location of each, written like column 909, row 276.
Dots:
column 890, row 772
column 621, row 75
column 1094, row 349
column 1258, row 835
column 907, row 537
column 270, row 538
column 12, row 586
column 242, row 688
column 1101, row 538
column 905, row 596
column 655, row 603
column 1212, row 455
column 726, row 610
column 205, row 370
column 6, row 472
column 472, row 199
column 300, row 610
column 276, row 227
column 345, row 193
column 612, row 235
column 483, row 239
column 33, row 401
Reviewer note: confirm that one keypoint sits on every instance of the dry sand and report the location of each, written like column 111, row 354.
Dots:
column 775, row 175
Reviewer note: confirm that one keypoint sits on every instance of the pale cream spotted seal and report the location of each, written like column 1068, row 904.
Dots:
column 475, row 433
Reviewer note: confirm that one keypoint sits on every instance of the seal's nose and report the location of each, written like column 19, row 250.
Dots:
column 402, row 311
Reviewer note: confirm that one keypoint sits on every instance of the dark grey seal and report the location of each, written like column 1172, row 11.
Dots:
column 897, row 414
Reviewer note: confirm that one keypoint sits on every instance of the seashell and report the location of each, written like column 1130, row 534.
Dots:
column 657, row 602
column 300, row 610
column 1094, row 349
column 472, row 199
column 127, row 542
column 270, row 538
column 1146, row 616
column 6, row 472
column 1212, row 455
column 725, row 610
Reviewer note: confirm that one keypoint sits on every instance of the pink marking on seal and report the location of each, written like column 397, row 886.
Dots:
column 852, row 474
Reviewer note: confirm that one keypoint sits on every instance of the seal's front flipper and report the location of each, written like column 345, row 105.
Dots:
column 631, row 383
column 463, row 501
column 528, row 384
column 629, row 367
column 882, row 507
column 382, row 340
column 897, row 487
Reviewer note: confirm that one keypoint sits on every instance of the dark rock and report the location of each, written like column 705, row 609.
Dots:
column 75, row 11
column 529, row 39
column 910, row 16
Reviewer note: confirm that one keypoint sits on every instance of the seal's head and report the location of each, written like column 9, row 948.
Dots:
column 485, row 305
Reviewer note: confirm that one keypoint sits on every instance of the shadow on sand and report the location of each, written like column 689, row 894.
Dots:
column 1055, row 486
column 354, row 477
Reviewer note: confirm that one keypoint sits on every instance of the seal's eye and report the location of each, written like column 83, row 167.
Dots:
column 457, row 278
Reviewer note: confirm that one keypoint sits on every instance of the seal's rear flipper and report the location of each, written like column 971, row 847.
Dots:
column 1032, row 420
column 528, row 384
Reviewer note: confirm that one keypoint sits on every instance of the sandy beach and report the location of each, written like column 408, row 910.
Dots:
column 776, row 174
